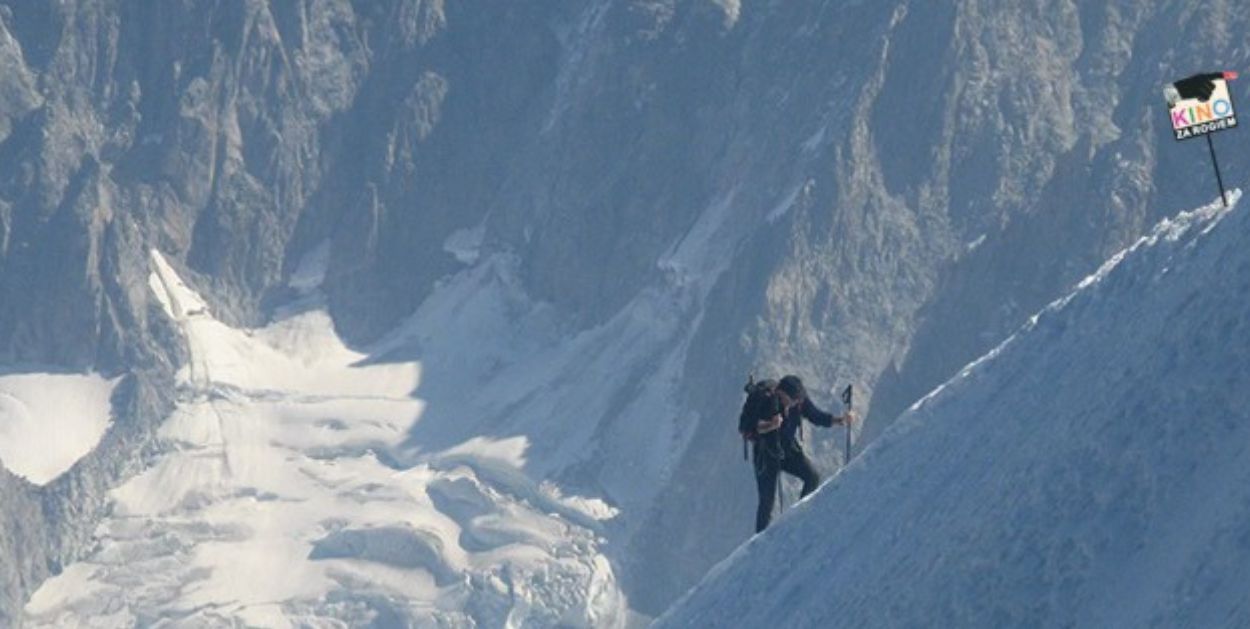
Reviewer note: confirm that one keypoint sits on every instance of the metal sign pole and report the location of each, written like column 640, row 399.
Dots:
column 1202, row 104
column 1216, row 164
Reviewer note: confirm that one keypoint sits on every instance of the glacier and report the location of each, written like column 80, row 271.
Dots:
column 284, row 498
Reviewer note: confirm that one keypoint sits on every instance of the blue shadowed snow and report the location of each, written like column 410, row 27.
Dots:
column 1092, row 471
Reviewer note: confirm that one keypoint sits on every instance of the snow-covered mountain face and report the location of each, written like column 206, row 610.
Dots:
column 586, row 221
column 1088, row 472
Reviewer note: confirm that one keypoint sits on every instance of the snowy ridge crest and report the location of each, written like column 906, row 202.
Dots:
column 1090, row 471
column 1179, row 230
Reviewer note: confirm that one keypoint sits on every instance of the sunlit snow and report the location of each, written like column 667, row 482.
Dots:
column 50, row 420
column 286, row 498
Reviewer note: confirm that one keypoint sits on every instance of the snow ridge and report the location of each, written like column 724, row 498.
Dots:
column 1090, row 471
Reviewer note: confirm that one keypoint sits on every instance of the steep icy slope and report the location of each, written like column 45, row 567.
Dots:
column 1091, row 471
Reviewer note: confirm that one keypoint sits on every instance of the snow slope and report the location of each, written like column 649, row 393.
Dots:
column 50, row 420
column 1092, row 471
column 285, row 499
column 500, row 365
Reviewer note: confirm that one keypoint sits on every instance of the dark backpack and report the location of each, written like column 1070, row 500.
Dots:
column 761, row 403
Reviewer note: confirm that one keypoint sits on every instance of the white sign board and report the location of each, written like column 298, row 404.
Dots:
column 1201, row 104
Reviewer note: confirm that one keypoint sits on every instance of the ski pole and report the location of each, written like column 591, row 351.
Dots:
column 848, row 398
column 781, row 497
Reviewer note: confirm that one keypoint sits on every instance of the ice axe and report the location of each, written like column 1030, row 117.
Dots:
column 848, row 400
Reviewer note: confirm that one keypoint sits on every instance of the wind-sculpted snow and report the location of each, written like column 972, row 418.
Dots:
column 1089, row 472
column 284, row 499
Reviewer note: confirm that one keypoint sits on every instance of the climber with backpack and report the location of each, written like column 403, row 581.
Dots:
column 771, row 420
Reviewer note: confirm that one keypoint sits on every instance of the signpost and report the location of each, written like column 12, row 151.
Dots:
column 1201, row 105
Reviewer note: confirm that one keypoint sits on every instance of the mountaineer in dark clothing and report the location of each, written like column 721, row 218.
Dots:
column 772, row 417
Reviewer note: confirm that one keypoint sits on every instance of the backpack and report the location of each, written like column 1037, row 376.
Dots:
column 761, row 403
